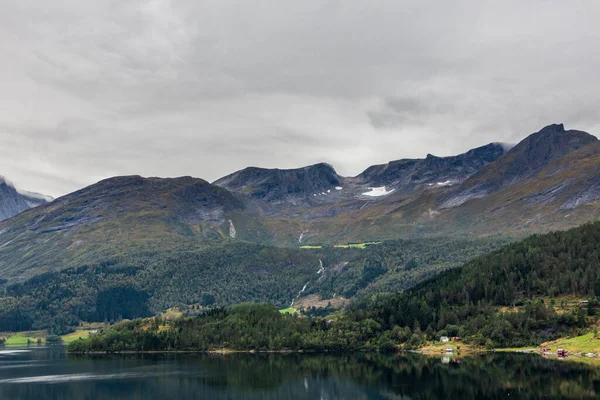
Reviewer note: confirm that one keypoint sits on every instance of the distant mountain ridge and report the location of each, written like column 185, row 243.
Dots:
column 280, row 184
column 431, row 170
column 489, row 190
column 13, row 201
column 493, row 189
column 320, row 184
column 523, row 161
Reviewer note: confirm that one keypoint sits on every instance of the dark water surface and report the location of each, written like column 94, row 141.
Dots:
column 49, row 373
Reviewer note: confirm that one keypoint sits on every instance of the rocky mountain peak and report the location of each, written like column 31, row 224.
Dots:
column 407, row 173
column 13, row 202
column 281, row 184
column 523, row 161
column 543, row 147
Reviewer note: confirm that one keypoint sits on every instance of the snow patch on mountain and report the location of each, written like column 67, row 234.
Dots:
column 378, row 192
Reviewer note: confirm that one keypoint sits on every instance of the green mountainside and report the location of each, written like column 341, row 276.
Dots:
column 113, row 217
column 131, row 246
column 511, row 297
column 192, row 278
column 146, row 283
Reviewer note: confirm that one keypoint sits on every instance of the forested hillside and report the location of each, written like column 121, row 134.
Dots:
column 146, row 283
column 392, row 266
column 510, row 297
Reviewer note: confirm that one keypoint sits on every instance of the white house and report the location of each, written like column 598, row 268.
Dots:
column 444, row 339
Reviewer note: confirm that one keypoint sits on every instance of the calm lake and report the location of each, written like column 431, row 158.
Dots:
column 49, row 373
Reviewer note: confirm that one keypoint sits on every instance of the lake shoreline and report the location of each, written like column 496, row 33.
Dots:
column 575, row 357
column 219, row 352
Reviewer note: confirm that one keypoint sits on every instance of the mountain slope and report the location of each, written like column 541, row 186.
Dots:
column 13, row 201
column 523, row 161
column 548, row 181
column 502, row 297
column 276, row 185
column 522, row 294
column 407, row 174
column 115, row 215
column 146, row 282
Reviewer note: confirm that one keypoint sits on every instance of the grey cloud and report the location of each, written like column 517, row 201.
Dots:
column 398, row 111
column 92, row 89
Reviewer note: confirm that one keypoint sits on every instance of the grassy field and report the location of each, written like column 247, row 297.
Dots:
column 342, row 246
column 579, row 344
column 517, row 349
column 355, row 245
column 437, row 347
column 576, row 345
column 171, row 314
column 75, row 335
column 22, row 340
column 290, row 310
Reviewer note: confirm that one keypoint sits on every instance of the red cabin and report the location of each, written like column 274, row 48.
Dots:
column 562, row 353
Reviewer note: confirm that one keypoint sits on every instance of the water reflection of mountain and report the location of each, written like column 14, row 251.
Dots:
column 295, row 376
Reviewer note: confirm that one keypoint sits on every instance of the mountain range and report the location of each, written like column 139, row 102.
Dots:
column 548, row 181
column 148, row 230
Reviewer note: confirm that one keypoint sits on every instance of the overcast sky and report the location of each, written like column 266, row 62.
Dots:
column 96, row 88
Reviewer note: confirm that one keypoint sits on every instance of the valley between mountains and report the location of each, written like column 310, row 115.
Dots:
column 130, row 247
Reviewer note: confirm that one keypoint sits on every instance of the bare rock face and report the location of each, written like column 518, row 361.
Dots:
column 405, row 175
column 588, row 194
column 13, row 202
column 278, row 185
